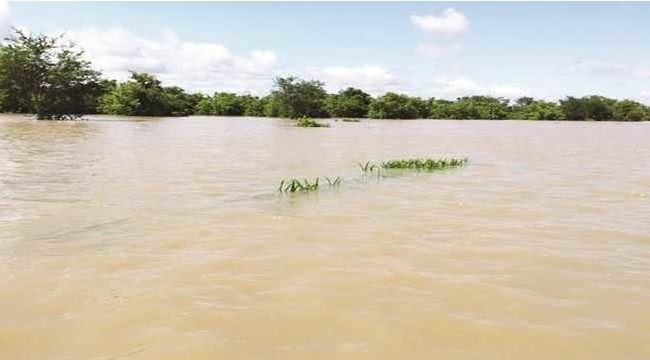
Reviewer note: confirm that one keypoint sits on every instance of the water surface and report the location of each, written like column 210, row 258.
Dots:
column 165, row 239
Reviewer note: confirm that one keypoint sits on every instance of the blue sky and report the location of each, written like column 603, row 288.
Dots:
column 436, row 49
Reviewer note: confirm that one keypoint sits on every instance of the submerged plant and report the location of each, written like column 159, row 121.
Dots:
column 368, row 166
column 292, row 185
column 334, row 183
column 296, row 185
column 306, row 121
column 424, row 163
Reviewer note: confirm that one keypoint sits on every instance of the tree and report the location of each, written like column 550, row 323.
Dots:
column 398, row 106
column 41, row 75
column 143, row 95
column 628, row 110
column 524, row 101
column 230, row 104
column 179, row 103
column 294, row 98
column 530, row 109
column 573, row 108
column 205, row 106
column 599, row 107
column 441, row 109
column 253, row 105
column 350, row 102
column 227, row 104
column 480, row 107
column 274, row 106
column 93, row 104
column 592, row 107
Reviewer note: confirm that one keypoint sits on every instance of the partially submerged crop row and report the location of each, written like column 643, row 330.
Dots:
column 424, row 164
column 295, row 185
column 414, row 164
column 292, row 185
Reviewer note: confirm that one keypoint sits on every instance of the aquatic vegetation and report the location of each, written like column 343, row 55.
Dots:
column 424, row 163
column 351, row 120
column 306, row 121
column 296, row 185
column 293, row 185
column 334, row 183
column 367, row 167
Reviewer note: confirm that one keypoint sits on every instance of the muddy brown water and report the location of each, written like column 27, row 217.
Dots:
column 165, row 239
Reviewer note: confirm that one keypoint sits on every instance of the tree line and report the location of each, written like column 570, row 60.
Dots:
column 47, row 77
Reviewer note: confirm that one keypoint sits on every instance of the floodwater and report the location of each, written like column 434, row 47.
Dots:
column 166, row 239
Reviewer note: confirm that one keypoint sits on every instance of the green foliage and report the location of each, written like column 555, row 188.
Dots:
column 424, row 164
column 253, row 105
column 306, row 121
column 230, row 104
column 441, row 109
column 40, row 75
column 527, row 108
column 204, row 106
column 94, row 101
column 274, row 106
column 143, row 95
column 350, row 102
column 628, row 110
column 573, row 108
column 397, row 106
column 587, row 108
column 480, row 107
column 600, row 108
column 221, row 104
column 295, row 185
column 351, row 120
column 294, row 98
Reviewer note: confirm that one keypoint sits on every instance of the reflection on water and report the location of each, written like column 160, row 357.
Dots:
column 165, row 239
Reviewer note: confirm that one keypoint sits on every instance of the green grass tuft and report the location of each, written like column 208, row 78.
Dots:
column 350, row 120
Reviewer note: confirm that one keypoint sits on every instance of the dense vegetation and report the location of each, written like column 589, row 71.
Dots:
column 40, row 75
column 143, row 95
column 306, row 121
column 348, row 103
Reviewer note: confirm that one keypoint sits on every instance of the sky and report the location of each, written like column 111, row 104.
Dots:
column 428, row 49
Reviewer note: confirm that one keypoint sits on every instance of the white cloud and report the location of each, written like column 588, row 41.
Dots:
column 451, row 22
column 5, row 18
column 641, row 73
column 434, row 51
column 461, row 86
column 371, row 78
column 645, row 94
column 607, row 68
column 196, row 66
column 599, row 67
